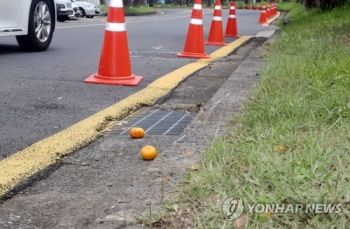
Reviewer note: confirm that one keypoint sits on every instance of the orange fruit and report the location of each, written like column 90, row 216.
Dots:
column 148, row 152
column 137, row 132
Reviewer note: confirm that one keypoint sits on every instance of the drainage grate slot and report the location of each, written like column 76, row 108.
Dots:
column 155, row 122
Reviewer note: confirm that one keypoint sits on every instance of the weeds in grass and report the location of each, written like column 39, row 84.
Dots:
column 291, row 143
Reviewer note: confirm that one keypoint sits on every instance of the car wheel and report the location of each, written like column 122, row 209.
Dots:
column 89, row 16
column 62, row 18
column 82, row 12
column 40, row 27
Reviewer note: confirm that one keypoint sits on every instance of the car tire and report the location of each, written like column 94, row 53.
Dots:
column 82, row 12
column 40, row 29
column 89, row 16
column 79, row 14
column 62, row 18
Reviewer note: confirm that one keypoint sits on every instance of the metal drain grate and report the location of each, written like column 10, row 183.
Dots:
column 155, row 122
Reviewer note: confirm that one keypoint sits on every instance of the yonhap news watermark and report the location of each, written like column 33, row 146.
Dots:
column 234, row 207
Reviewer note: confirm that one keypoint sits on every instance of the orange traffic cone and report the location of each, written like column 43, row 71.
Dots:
column 243, row 6
column 257, row 6
column 231, row 26
column 274, row 8
column 216, row 36
column 115, row 68
column 268, row 11
column 194, row 46
column 271, row 10
column 262, row 19
column 251, row 6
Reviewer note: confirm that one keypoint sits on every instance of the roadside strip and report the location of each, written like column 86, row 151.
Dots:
column 26, row 163
column 272, row 19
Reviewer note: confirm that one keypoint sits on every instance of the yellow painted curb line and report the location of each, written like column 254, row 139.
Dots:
column 272, row 19
column 24, row 164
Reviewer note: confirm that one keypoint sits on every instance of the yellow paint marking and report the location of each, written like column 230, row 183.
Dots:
column 24, row 164
column 226, row 50
column 272, row 19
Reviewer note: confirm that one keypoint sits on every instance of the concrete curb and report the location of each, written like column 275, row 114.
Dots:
column 210, row 124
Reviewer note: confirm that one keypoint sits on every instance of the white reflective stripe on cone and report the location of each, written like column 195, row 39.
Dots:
column 197, row 6
column 115, row 27
column 116, row 3
column 232, row 16
column 196, row 21
column 232, row 7
column 217, row 7
column 217, row 18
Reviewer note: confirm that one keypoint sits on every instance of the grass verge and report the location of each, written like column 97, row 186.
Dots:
column 291, row 143
column 225, row 5
column 138, row 10
column 131, row 10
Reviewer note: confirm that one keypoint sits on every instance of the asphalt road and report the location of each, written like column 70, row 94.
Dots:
column 43, row 93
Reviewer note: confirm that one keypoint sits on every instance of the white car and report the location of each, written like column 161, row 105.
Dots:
column 87, row 9
column 64, row 10
column 31, row 21
column 77, row 12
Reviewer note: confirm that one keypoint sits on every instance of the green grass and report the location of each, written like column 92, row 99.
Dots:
column 288, row 6
column 138, row 10
column 103, row 8
column 292, row 141
column 204, row 4
column 131, row 10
